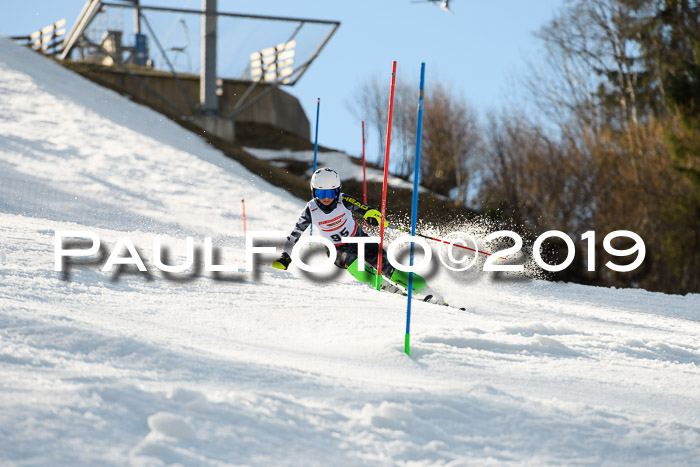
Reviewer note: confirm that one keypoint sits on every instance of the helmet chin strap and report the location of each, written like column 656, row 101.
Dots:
column 325, row 208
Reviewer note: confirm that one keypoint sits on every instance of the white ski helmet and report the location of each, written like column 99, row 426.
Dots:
column 325, row 183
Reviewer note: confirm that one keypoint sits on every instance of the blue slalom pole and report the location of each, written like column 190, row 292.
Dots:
column 414, row 208
column 318, row 108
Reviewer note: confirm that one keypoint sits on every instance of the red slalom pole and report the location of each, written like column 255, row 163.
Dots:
column 386, row 176
column 364, row 169
column 396, row 227
column 245, row 228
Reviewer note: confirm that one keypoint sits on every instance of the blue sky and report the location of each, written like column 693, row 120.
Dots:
column 480, row 50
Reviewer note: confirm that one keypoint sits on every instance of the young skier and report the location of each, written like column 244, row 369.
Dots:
column 331, row 212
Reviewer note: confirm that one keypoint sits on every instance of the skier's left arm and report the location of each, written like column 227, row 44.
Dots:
column 367, row 212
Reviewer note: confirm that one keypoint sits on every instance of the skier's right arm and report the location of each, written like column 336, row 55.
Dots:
column 304, row 221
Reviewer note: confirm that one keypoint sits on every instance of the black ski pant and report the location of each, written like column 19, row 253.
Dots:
column 347, row 254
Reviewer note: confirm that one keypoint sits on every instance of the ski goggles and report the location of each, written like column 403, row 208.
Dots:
column 320, row 194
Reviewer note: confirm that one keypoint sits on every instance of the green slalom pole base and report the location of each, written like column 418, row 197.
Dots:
column 407, row 345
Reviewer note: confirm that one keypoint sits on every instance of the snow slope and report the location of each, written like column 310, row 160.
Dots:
column 271, row 368
column 341, row 162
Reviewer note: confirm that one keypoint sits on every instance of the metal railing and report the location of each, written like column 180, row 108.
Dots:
column 48, row 40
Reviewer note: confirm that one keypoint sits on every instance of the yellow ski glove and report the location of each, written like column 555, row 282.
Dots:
column 283, row 262
column 374, row 216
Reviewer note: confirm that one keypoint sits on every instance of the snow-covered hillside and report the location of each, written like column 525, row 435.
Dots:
column 271, row 368
column 342, row 163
